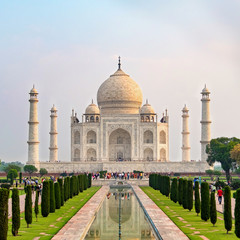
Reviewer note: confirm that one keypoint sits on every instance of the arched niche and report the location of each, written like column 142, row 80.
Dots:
column 162, row 137
column 91, row 137
column 148, row 154
column 148, row 136
column 76, row 154
column 77, row 137
column 91, row 154
column 163, row 155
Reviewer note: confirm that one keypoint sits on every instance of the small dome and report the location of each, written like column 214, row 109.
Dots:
column 185, row 109
column 147, row 109
column 33, row 90
column 92, row 109
column 205, row 90
column 53, row 108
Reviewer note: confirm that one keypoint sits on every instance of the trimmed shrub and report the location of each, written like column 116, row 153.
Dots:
column 28, row 206
column 190, row 195
column 12, row 174
column 45, row 204
column 197, row 198
column 81, row 187
column 57, row 195
column 60, row 181
column 65, row 186
column 20, row 177
column 3, row 213
column 68, row 182
column 180, row 191
column 174, row 190
column 167, row 184
column 205, row 201
column 15, row 212
column 235, row 184
column 6, row 185
column 237, row 213
column 227, row 209
column 36, row 208
column 52, row 197
column 213, row 211
column 185, row 197
column 71, row 187
column 85, row 181
column 89, row 180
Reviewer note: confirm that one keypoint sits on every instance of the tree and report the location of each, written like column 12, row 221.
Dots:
column 227, row 209
column 12, row 174
column 36, row 209
column 213, row 211
column 71, row 187
column 11, row 166
column 185, row 202
column 189, row 195
column 85, row 181
column 89, row 180
column 52, row 197
column 197, row 198
column 235, row 153
column 60, row 181
column 219, row 151
column 30, row 169
column 180, row 191
column 15, row 212
column 45, row 204
column 43, row 171
column 237, row 214
column 57, row 195
column 3, row 213
column 167, row 184
column 174, row 190
column 205, row 201
column 65, row 190
column 20, row 177
column 81, row 183
column 28, row 206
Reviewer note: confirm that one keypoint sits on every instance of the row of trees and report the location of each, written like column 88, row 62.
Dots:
column 54, row 195
column 181, row 191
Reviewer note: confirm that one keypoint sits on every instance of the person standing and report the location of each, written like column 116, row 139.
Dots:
column 220, row 193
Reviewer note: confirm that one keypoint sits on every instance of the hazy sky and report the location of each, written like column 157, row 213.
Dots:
column 68, row 48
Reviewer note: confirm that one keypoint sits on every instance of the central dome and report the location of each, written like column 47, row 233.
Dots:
column 119, row 94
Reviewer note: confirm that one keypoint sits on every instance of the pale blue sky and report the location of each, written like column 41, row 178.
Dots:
column 68, row 48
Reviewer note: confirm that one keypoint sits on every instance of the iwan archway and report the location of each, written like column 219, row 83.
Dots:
column 119, row 145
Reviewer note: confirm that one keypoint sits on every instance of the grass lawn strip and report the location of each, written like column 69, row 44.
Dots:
column 46, row 228
column 189, row 222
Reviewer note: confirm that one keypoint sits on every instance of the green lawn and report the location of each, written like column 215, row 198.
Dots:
column 186, row 220
column 46, row 228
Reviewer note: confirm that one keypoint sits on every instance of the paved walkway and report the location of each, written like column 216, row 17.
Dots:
column 220, row 207
column 22, row 203
column 77, row 227
column 166, row 228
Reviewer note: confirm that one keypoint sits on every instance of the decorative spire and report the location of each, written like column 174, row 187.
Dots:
column 146, row 101
column 92, row 101
column 119, row 63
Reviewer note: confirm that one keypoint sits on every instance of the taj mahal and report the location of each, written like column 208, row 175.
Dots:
column 119, row 133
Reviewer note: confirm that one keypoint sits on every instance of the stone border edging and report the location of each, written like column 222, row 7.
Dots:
column 76, row 228
column 164, row 225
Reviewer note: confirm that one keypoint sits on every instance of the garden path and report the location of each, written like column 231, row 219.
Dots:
column 220, row 207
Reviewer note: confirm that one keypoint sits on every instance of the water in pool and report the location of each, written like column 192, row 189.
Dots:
column 120, row 217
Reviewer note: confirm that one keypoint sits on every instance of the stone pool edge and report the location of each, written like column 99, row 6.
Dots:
column 164, row 225
column 76, row 228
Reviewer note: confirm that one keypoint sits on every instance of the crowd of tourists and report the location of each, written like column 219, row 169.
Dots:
column 118, row 175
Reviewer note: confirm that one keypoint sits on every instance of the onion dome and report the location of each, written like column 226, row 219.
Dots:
column 147, row 109
column 205, row 90
column 119, row 94
column 34, row 90
column 92, row 109
column 53, row 109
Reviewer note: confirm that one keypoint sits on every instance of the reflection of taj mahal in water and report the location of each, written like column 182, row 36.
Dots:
column 119, row 134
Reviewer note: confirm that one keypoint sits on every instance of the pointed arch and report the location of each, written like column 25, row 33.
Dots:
column 148, row 154
column 76, row 154
column 91, row 137
column 148, row 137
column 91, row 154
column 162, row 137
column 77, row 137
column 163, row 155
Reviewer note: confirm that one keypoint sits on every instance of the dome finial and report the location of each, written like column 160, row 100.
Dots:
column 92, row 100
column 119, row 63
column 146, row 101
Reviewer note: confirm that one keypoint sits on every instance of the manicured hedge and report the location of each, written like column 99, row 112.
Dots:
column 15, row 212
column 57, row 195
column 45, row 204
column 52, row 197
column 174, row 190
column 60, row 181
column 185, row 197
column 205, row 211
column 180, row 191
column 28, row 205
column 227, row 209
column 190, row 195
column 213, row 211
column 197, row 198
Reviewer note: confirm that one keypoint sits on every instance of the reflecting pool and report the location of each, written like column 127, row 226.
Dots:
column 120, row 217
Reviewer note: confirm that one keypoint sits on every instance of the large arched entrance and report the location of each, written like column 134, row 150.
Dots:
column 120, row 145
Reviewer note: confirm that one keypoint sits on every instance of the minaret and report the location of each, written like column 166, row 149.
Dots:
column 53, row 156
column 33, row 142
column 185, row 136
column 205, row 123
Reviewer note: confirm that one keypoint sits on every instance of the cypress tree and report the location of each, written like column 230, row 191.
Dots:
column 205, row 201
column 185, row 197
column 190, row 195
column 15, row 212
column 77, row 186
column 52, row 197
column 89, row 180
column 227, row 209
column 28, row 206
column 60, row 181
column 57, row 195
column 45, row 204
column 180, row 191
column 3, row 213
column 65, row 189
column 85, row 181
column 20, row 177
column 150, row 180
column 197, row 198
column 71, row 187
column 81, row 187
column 174, row 191
column 167, row 186
column 68, row 182
column 36, row 208
column 237, row 213
column 213, row 211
